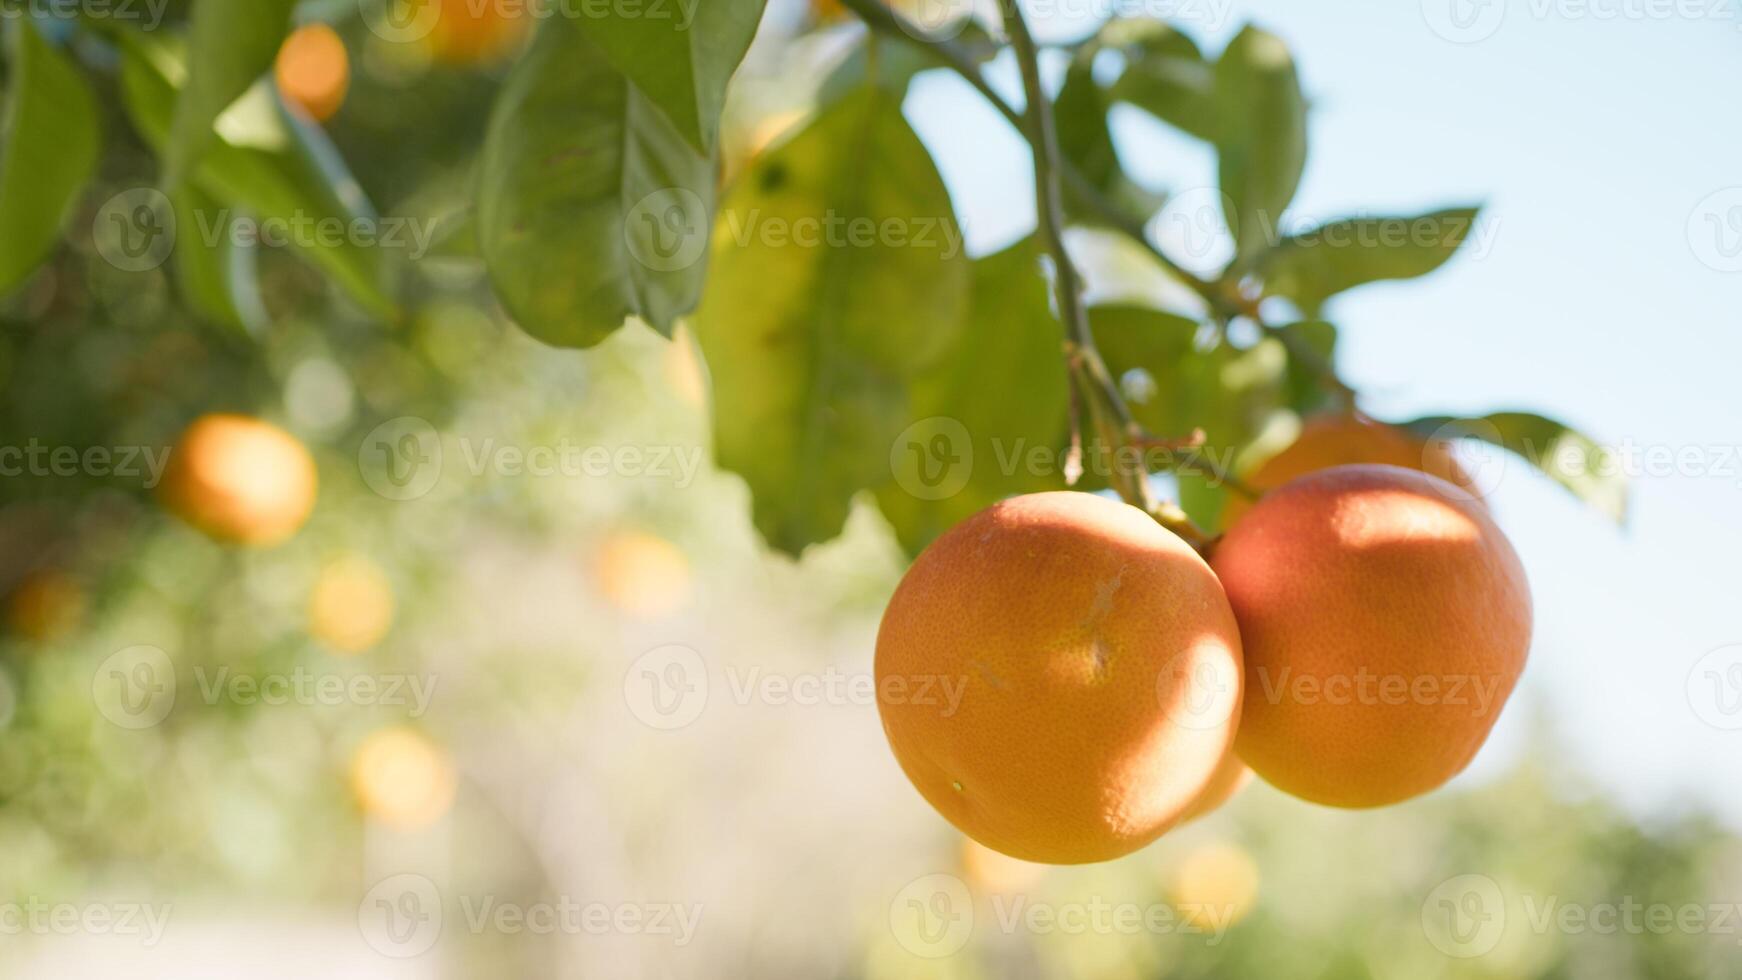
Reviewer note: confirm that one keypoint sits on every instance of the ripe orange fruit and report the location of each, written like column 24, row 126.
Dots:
column 1059, row 676
column 1230, row 777
column 1346, row 440
column 313, row 70
column 1385, row 620
column 240, row 479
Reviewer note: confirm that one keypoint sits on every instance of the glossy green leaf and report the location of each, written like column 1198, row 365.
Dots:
column 680, row 54
column 1261, row 140
column 49, row 142
column 592, row 207
column 988, row 422
column 1180, row 386
column 216, row 277
column 838, row 280
column 1310, row 267
column 1086, row 141
column 268, row 164
column 1174, row 385
column 1306, row 387
column 1565, row 455
column 1165, row 75
column 230, row 46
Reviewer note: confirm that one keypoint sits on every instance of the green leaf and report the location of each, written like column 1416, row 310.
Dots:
column 988, row 421
column 215, row 276
column 681, row 55
column 1306, row 388
column 1086, row 140
column 1165, row 75
column 230, row 45
column 266, row 163
column 1313, row 266
column 48, row 152
column 1260, row 137
column 1174, row 385
column 1183, row 386
column 1563, row 454
column 838, row 280
column 592, row 206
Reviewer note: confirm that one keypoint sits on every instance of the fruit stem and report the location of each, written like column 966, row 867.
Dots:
column 1108, row 412
column 1112, row 418
column 1108, row 415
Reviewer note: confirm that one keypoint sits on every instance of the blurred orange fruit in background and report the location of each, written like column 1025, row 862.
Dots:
column 989, row 871
column 1344, row 440
column 1215, row 886
column 642, row 574
column 45, row 606
column 350, row 607
column 240, row 479
column 402, row 779
column 313, row 70
column 470, row 32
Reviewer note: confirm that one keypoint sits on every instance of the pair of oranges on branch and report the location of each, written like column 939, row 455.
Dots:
column 1351, row 639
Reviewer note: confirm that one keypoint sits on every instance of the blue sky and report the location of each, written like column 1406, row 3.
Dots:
column 1602, row 137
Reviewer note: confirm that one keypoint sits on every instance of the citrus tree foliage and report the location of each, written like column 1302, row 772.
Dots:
column 855, row 363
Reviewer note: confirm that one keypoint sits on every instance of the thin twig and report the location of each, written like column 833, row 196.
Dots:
column 1221, row 301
